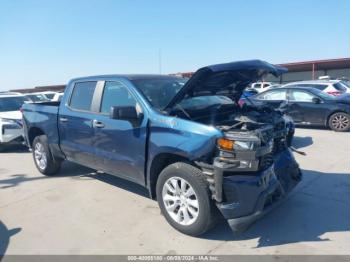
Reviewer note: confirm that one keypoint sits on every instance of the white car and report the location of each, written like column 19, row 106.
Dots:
column 49, row 94
column 332, row 87
column 57, row 97
column 37, row 97
column 261, row 86
column 11, row 127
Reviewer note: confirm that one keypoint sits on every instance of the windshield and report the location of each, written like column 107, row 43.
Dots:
column 344, row 84
column 340, row 87
column 159, row 91
column 12, row 103
column 202, row 102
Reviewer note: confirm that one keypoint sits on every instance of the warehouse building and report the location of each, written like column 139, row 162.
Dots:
column 298, row 71
column 308, row 70
column 38, row 89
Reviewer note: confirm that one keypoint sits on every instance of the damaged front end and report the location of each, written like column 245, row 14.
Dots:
column 253, row 168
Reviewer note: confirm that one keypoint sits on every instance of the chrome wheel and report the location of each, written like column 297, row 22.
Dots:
column 180, row 200
column 340, row 122
column 40, row 156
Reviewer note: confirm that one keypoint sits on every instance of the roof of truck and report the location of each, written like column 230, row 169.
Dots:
column 127, row 76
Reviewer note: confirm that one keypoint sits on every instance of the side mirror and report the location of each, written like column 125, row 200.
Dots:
column 316, row 100
column 123, row 113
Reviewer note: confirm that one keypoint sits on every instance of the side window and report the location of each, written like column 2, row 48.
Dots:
column 274, row 95
column 81, row 98
column 301, row 96
column 116, row 94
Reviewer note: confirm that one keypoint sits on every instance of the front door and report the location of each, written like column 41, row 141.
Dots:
column 120, row 145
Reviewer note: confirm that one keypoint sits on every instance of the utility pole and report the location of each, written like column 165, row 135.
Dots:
column 160, row 60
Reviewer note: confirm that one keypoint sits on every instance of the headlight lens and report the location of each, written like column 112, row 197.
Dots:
column 226, row 144
column 244, row 145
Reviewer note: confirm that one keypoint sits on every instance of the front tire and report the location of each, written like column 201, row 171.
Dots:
column 184, row 199
column 43, row 158
column 339, row 122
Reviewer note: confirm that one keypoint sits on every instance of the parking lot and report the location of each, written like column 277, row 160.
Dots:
column 81, row 212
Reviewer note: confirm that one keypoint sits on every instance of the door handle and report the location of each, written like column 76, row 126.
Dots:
column 97, row 124
column 63, row 119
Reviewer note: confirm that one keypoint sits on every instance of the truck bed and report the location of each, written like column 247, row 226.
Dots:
column 41, row 116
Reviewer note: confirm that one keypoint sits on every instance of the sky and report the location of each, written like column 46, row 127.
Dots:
column 49, row 42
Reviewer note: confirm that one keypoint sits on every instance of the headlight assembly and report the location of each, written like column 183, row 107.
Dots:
column 229, row 145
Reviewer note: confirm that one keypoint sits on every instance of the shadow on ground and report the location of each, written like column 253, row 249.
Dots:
column 319, row 206
column 300, row 142
column 15, row 149
column 119, row 182
column 5, row 235
column 74, row 171
column 68, row 170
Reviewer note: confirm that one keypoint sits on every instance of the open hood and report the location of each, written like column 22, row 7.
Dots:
column 225, row 79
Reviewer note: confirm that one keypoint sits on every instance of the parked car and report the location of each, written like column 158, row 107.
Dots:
column 11, row 127
column 36, row 97
column 309, row 106
column 275, row 86
column 261, row 86
column 189, row 143
column 49, row 95
column 57, row 97
column 332, row 87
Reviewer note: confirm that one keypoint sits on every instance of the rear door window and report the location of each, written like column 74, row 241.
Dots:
column 82, row 95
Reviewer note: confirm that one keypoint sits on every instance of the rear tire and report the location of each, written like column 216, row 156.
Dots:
column 339, row 122
column 184, row 199
column 43, row 158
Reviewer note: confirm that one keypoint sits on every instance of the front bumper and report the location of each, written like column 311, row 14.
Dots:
column 244, row 197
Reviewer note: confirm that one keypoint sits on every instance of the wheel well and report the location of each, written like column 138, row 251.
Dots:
column 329, row 116
column 33, row 133
column 158, row 164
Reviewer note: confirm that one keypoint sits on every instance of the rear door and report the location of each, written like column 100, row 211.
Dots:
column 75, row 124
column 120, row 144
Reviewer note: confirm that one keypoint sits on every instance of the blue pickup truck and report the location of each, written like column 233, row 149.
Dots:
column 199, row 153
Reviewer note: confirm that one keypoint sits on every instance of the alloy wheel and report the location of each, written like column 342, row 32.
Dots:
column 40, row 156
column 340, row 122
column 180, row 200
